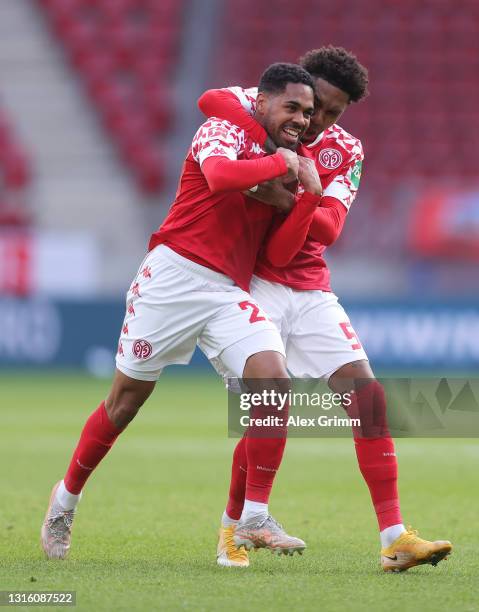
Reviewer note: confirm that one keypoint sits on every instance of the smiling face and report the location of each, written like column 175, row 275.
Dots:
column 285, row 115
column 330, row 102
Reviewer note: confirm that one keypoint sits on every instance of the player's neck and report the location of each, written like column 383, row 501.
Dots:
column 260, row 119
column 312, row 140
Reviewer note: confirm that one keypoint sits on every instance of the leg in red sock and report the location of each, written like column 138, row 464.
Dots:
column 265, row 455
column 264, row 452
column 260, row 479
column 103, row 427
column 378, row 464
column 264, row 446
column 400, row 549
column 257, row 528
column 265, row 372
column 96, row 439
column 374, row 447
column 238, row 481
column 375, row 453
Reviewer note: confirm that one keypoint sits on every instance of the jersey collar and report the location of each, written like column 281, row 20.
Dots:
column 315, row 141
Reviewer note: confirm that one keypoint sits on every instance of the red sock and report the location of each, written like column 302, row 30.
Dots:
column 236, row 497
column 378, row 465
column 376, row 456
column 264, row 454
column 96, row 439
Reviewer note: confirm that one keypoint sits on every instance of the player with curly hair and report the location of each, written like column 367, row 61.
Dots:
column 296, row 293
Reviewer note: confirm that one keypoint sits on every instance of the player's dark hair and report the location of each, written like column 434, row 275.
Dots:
column 277, row 76
column 338, row 67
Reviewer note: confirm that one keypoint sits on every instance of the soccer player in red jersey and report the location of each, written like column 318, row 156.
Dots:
column 193, row 286
column 295, row 291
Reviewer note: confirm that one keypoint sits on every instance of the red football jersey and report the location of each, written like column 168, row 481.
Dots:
column 222, row 231
column 338, row 157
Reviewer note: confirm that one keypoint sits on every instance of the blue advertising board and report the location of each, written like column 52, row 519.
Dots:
column 40, row 332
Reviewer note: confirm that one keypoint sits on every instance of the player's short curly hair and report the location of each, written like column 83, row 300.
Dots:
column 340, row 68
column 275, row 78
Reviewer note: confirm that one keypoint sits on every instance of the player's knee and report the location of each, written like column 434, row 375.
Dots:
column 266, row 372
column 283, row 383
column 351, row 375
column 266, row 365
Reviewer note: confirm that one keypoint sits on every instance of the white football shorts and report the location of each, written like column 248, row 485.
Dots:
column 173, row 303
column 316, row 331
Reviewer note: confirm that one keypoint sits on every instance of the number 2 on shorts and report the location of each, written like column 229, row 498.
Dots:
column 255, row 316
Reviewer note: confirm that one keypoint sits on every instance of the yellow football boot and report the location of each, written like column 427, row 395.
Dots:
column 227, row 554
column 410, row 550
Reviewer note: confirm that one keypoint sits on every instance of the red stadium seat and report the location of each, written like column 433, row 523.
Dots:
column 5, row 130
column 417, row 55
column 115, row 11
column 17, row 170
column 15, row 175
column 158, row 105
column 125, row 114
column 124, row 50
column 15, row 166
column 81, row 40
column 149, row 68
column 123, row 39
column 149, row 170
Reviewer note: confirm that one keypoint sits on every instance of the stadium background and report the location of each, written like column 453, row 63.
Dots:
column 98, row 106
column 97, row 109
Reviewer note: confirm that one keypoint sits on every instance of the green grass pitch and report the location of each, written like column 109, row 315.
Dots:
column 145, row 535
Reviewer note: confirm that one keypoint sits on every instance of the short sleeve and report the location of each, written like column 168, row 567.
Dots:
column 247, row 97
column 217, row 138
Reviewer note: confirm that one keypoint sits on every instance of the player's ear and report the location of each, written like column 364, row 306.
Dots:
column 261, row 103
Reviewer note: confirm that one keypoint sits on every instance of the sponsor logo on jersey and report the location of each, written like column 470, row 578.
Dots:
column 142, row 349
column 330, row 158
column 356, row 173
